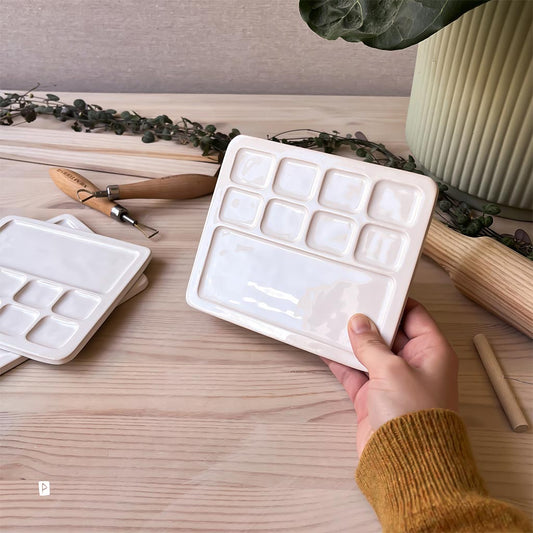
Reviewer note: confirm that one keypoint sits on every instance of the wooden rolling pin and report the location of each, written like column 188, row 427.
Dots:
column 487, row 272
column 178, row 187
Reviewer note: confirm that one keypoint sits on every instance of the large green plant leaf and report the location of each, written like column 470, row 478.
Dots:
column 385, row 24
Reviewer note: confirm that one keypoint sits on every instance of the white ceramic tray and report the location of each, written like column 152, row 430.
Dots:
column 9, row 360
column 296, row 241
column 57, row 286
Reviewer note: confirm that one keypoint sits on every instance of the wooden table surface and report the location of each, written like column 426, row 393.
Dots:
column 170, row 419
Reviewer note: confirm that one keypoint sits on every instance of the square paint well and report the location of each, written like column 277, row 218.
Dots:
column 283, row 220
column 330, row 233
column 52, row 332
column 240, row 207
column 295, row 179
column 344, row 191
column 10, row 282
column 38, row 294
column 76, row 304
column 394, row 203
column 252, row 168
column 15, row 320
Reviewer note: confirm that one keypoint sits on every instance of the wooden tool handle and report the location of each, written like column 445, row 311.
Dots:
column 487, row 272
column 179, row 187
column 71, row 182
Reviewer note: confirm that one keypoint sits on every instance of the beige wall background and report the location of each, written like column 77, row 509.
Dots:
column 208, row 46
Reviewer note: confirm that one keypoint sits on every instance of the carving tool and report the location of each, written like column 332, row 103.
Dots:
column 78, row 187
column 178, row 187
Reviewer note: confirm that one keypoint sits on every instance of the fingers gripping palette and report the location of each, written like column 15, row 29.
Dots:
column 296, row 241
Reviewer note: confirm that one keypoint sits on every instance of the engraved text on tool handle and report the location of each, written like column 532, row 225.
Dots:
column 73, row 185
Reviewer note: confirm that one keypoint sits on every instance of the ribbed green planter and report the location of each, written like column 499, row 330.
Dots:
column 470, row 114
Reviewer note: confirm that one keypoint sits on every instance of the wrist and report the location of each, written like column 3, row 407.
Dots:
column 415, row 461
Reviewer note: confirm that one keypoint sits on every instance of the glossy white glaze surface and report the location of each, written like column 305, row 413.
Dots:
column 283, row 220
column 52, row 332
column 15, row 319
column 395, row 203
column 344, row 191
column 381, row 247
column 38, row 293
column 331, row 233
column 296, row 179
column 296, row 241
column 253, row 168
column 58, row 285
column 240, row 207
column 76, row 304
column 62, row 257
column 292, row 289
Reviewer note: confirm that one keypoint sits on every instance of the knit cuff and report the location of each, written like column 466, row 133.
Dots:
column 414, row 463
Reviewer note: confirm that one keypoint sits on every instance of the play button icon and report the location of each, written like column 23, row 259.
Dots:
column 44, row 488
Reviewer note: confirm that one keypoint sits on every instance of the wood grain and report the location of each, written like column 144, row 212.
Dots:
column 99, row 144
column 145, row 167
column 170, row 419
column 487, row 272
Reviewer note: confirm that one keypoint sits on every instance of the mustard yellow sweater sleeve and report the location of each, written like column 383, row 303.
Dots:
column 418, row 473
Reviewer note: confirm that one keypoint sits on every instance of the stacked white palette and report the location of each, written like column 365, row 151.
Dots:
column 58, row 284
column 9, row 360
column 296, row 241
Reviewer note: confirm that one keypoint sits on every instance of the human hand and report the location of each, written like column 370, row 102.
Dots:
column 419, row 373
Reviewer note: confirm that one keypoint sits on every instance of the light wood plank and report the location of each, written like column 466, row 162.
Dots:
column 173, row 420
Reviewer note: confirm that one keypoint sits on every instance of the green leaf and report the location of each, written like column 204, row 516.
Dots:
column 385, row 24
column 118, row 128
column 487, row 220
column 148, row 137
column 462, row 219
column 28, row 113
column 445, row 205
column 52, row 97
column 491, row 209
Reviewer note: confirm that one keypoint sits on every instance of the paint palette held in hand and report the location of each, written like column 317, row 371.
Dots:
column 57, row 286
column 296, row 241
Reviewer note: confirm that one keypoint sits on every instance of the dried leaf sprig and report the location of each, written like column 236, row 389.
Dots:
column 90, row 117
column 368, row 151
column 461, row 217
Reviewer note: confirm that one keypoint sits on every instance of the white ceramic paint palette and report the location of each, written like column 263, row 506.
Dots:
column 57, row 285
column 296, row 241
column 9, row 360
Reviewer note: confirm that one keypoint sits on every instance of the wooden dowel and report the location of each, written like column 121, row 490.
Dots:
column 501, row 386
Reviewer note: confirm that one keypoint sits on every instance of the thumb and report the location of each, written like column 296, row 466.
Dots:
column 367, row 344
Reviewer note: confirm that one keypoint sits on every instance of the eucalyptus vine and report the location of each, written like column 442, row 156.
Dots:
column 91, row 117
column 26, row 107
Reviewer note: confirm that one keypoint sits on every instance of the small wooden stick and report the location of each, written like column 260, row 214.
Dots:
column 501, row 386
